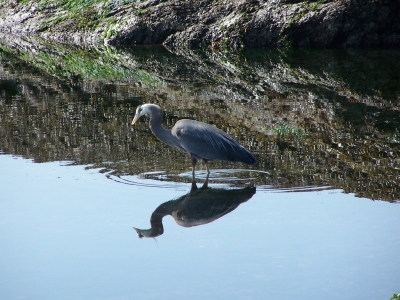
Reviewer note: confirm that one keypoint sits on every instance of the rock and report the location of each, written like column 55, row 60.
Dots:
column 220, row 25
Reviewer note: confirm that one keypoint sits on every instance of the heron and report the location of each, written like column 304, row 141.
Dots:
column 200, row 140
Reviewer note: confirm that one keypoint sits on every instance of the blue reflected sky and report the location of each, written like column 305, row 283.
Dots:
column 66, row 233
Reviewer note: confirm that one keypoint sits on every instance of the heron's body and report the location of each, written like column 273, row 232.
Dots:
column 207, row 142
column 200, row 140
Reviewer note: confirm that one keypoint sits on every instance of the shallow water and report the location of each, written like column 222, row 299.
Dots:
column 67, row 234
column 302, row 223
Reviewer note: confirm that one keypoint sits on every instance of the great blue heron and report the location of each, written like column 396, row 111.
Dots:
column 199, row 140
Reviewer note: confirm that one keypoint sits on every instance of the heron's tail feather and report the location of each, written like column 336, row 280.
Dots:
column 245, row 156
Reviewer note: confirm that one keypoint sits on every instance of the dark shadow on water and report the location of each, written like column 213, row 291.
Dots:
column 199, row 207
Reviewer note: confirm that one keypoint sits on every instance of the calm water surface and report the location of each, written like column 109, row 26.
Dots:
column 316, row 217
column 67, row 234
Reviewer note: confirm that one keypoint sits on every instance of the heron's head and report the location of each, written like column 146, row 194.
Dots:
column 153, row 110
column 147, row 233
column 141, row 110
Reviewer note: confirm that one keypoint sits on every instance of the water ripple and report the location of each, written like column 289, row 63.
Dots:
column 223, row 178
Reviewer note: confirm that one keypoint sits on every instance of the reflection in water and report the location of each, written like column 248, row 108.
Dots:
column 311, row 117
column 198, row 207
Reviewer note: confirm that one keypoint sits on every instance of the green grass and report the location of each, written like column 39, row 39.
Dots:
column 89, row 64
column 286, row 130
column 395, row 296
column 24, row 2
column 394, row 139
column 87, row 14
column 75, row 5
column 315, row 6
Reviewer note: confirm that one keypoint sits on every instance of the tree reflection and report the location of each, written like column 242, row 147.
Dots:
column 198, row 207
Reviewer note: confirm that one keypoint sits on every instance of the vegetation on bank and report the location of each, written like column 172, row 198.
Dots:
column 85, row 14
column 77, row 15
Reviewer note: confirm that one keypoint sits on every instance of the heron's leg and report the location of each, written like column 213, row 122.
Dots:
column 208, row 169
column 205, row 184
column 194, row 161
column 194, row 186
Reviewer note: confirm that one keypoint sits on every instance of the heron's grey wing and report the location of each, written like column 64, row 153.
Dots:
column 204, row 141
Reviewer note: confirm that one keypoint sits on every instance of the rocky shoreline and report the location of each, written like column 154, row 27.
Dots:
column 220, row 25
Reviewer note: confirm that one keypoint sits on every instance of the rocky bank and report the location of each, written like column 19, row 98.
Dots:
column 216, row 24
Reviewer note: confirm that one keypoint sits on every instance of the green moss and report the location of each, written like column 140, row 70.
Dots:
column 78, row 5
column 24, row 2
column 139, row 11
column 315, row 6
column 109, row 33
column 87, row 14
column 225, row 44
column 287, row 44
column 76, row 61
column 394, row 139
column 286, row 130
column 297, row 18
column 395, row 296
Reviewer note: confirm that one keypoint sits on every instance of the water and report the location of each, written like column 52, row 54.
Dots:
column 302, row 223
column 67, row 234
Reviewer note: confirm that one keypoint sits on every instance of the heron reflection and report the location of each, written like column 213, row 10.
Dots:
column 198, row 207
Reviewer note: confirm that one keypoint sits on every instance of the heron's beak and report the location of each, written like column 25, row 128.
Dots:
column 138, row 231
column 146, row 233
column 137, row 116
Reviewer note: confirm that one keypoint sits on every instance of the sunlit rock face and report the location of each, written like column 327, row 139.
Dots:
column 220, row 25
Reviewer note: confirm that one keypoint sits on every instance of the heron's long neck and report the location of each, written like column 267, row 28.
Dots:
column 157, row 227
column 164, row 135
